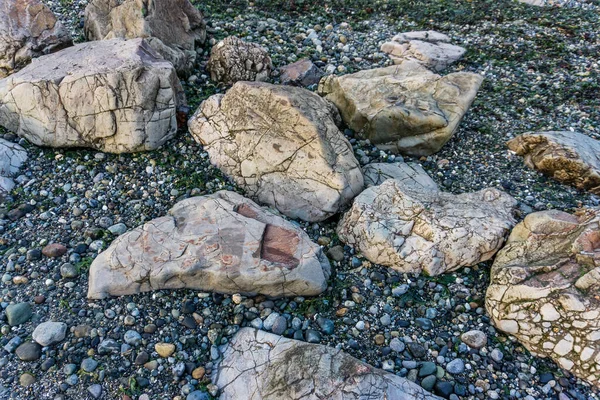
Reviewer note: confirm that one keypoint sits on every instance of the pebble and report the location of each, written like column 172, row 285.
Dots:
column 164, row 349
column 475, row 339
column 18, row 314
column 49, row 333
column 456, row 366
column 29, row 351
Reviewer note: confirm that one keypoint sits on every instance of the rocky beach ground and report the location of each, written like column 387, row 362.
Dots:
column 540, row 68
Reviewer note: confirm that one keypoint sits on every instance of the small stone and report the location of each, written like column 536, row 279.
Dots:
column 474, row 339
column 118, row 229
column 54, row 250
column 29, row 351
column 18, row 314
column 26, row 379
column 336, row 253
column 68, row 270
column 416, row 350
column 95, row 390
column 49, row 333
column 497, row 355
column 313, row 336
column 164, row 349
column 132, row 338
column 197, row 395
column 89, row 365
column 379, row 340
column 397, row 345
column 428, row 382
column 427, row 368
column 198, row 373
column 456, row 366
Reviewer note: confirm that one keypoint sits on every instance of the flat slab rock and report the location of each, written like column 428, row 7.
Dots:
column 257, row 365
column 232, row 60
column 414, row 230
column 569, row 157
column 405, row 108
column 409, row 174
column 115, row 96
column 28, row 29
column 12, row 157
column 282, row 145
column 429, row 48
column 222, row 243
column 544, row 289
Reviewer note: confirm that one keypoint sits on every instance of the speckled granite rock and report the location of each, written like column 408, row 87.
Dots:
column 232, row 60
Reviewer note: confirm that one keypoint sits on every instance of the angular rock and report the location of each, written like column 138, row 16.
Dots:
column 427, row 231
column 429, row 48
column 12, row 157
column 408, row 174
column 404, row 108
column 301, row 73
column 114, row 96
column 544, row 288
column 282, row 145
column 232, row 60
column 28, row 29
column 569, row 157
column 173, row 28
column 259, row 365
column 49, row 333
column 221, row 242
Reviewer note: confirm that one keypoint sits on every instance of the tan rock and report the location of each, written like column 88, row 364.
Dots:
column 544, row 286
column 114, row 96
column 232, row 60
column 164, row 349
column 28, row 29
column 414, row 230
column 409, row 174
column 404, row 108
column 172, row 28
column 222, row 243
column 282, row 145
column 569, row 157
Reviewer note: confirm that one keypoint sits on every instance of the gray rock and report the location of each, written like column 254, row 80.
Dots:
column 397, row 345
column 197, row 395
column 49, row 333
column 68, row 270
column 132, row 337
column 95, row 390
column 89, row 364
column 456, row 366
column 108, row 346
column 18, row 314
column 29, row 351
column 475, row 339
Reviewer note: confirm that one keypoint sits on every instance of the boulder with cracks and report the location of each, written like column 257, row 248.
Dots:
column 408, row 174
column 222, row 243
column 232, row 60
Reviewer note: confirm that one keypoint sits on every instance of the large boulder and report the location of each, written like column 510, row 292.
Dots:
column 404, row 108
column 28, row 29
column 544, row 288
column 414, row 230
column 172, row 28
column 222, row 243
column 232, row 60
column 257, row 365
column 115, row 96
column 282, row 145
column 569, row 157
column 429, row 48
column 12, row 157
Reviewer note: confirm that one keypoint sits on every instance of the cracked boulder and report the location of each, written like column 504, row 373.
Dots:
column 114, row 96
column 28, row 29
column 429, row 48
column 12, row 157
column 414, row 230
column 408, row 174
column 258, row 365
column 405, row 108
column 173, row 28
column 221, row 243
column 232, row 60
column 544, row 288
column 282, row 145
column 569, row 157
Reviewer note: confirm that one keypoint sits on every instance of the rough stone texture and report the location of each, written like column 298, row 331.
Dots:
column 408, row 174
column 544, row 288
column 413, row 230
column 282, row 145
column 115, row 96
column 429, row 48
column 404, row 108
column 569, row 157
column 172, row 28
column 232, row 60
column 221, row 242
column 257, row 365
column 28, row 29
column 49, row 333
column 301, row 73
column 12, row 156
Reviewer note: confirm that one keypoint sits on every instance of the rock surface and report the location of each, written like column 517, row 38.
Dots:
column 544, row 286
column 404, row 108
column 115, row 96
column 259, row 365
column 12, row 157
column 412, row 230
column 301, row 73
column 28, row 29
column 408, row 174
column 569, row 157
column 49, row 333
column 282, row 145
column 232, row 60
column 222, row 243
column 429, row 48
column 172, row 28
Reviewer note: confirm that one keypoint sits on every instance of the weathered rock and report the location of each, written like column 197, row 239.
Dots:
column 49, row 333
column 404, row 108
column 28, row 29
column 172, row 28
column 259, row 365
column 221, row 242
column 301, row 73
column 414, row 230
column 544, row 286
column 12, row 156
column 429, row 48
column 282, row 145
column 232, row 60
column 115, row 96
column 569, row 157
column 408, row 174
